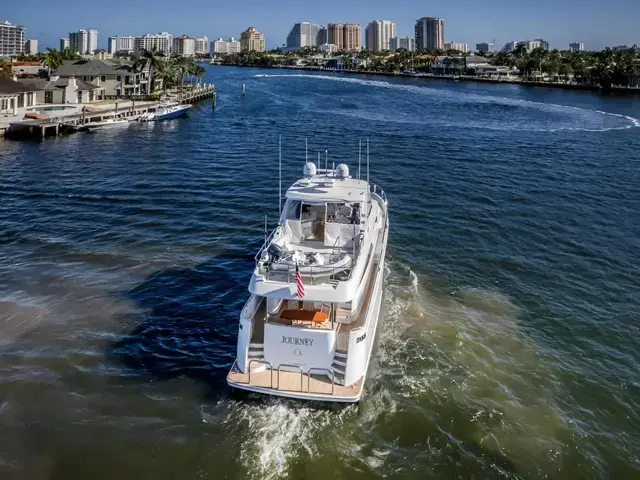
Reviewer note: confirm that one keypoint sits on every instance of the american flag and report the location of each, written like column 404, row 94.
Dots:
column 299, row 283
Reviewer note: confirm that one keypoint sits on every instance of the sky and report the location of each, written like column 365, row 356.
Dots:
column 558, row 21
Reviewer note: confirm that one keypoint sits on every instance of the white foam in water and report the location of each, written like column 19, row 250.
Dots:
column 461, row 97
column 280, row 431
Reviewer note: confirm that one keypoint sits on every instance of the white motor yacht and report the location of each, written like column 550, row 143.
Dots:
column 309, row 326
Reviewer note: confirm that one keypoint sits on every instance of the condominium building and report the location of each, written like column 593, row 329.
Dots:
column 510, row 46
column 346, row 36
column 225, row 46
column 83, row 41
column 160, row 42
column 121, row 44
column 430, row 33
column 184, row 46
column 408, row 43
column 576, row 47
column 377, row 35
column 305, row 34
column 64, row 43
column 11, row 39
column 252, row 40
column 31, row 47
column 485, row 47
column 537, row 43
column 202, row 45
column 459, row 47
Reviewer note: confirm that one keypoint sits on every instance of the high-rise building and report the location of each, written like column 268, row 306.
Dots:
column 252, row 40
column 184, row 46
column 459, row 47
column 121, row 44
column 11, row 39
column 352, row 37
column 31, row 47
column 83, row 42
column 537, row 43
column 407, row 43
column 576, row 47
column 225, row 46
column 64, row 43
column 485, row 47
column 346, row 36
column 430, row 33
column 335, row 34
column 202, row 45
column 305, row 34
column 510, row 46
column 160, row 42
column 377, row 35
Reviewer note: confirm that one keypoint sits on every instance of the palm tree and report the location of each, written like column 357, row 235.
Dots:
column 199, row 72
column 151, row 59
column 183, row 66
column 5, row 69
column 52, row 59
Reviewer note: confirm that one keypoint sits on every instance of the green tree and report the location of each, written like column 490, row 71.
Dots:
column 152, row 60
column 52, row 59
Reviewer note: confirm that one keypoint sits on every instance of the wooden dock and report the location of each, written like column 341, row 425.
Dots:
column 128, row 109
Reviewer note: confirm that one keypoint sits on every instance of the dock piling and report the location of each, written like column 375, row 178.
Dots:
column 244, row 89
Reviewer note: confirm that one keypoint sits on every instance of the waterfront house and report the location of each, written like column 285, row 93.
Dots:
column 59, row 90
column 14, row 98
column 446, row 65
column 117, row 77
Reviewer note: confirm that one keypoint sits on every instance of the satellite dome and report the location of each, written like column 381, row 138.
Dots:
column 342, row 171
column 309, row 169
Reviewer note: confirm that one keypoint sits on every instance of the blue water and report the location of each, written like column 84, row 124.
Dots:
column 509, row 342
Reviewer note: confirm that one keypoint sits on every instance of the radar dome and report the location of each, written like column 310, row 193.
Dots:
column 309, row 169
column 342, row 171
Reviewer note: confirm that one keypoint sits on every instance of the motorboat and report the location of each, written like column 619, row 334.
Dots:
column 169, row 110
column 111, row 122
column 308, row 328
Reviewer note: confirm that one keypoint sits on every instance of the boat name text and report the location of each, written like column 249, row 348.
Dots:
column 297, row 341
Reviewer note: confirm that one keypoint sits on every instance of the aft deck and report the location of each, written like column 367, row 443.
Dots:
column 315, row 386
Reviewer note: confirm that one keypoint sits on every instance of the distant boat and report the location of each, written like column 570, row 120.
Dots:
column 168, row 110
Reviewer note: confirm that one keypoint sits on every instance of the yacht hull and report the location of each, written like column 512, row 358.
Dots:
column 176, row 114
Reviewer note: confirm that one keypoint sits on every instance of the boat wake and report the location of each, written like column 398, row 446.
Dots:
column 480, row 386
column 575, row 118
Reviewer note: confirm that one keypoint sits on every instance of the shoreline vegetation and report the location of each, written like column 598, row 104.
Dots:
column 606, row 70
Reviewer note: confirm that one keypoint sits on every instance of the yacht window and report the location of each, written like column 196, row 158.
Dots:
column 291, row 210
column 345, row 213
column 312, row 220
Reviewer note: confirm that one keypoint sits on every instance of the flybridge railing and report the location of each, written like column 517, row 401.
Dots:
column 376, row 190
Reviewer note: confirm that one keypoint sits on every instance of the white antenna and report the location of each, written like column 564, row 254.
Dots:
column 359, row 157
column 280, row 175
column 306, row 149
column 265, row 228
column 367, row 159
column 326, row 158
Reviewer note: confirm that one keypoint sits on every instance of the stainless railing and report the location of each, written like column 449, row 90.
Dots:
column 376, row 190
column 324, row 370
column 257, row 360
column 289, row 366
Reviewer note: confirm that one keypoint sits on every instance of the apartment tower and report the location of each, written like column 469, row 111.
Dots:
column 430, row 33
column 377, row 35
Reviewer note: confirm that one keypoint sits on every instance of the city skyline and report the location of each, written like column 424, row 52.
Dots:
column 502, row 22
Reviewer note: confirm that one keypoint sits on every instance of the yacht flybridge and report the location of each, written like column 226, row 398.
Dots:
column 308, row 328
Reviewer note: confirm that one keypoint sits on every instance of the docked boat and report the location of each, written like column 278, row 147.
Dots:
column 111, row 122
column 308, row 328
column 169, row 110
